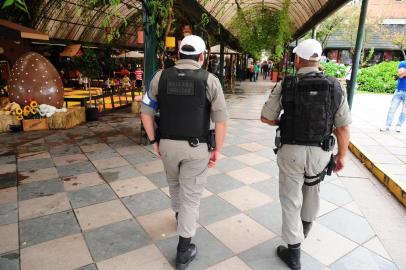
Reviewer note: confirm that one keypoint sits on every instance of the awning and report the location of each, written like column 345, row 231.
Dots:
column 72, row 50
column 216, row 49
column 25, row 32
column 131, row 54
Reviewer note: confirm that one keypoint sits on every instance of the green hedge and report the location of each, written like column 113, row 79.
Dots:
column 380, row 78
column 334, row 70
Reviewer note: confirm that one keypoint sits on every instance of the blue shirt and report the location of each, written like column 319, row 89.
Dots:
column 402, row 81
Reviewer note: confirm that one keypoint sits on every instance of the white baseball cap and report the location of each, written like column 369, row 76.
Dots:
column 309, row 49
column 196, row 43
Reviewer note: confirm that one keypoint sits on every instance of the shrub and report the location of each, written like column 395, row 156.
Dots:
column 380, row 78
column 334, row 70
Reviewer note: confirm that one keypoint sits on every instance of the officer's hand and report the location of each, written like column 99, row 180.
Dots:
column 156, row 149
column 340, row 161
column 214, row 156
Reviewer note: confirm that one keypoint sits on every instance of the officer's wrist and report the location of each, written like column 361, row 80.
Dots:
column 153, row 141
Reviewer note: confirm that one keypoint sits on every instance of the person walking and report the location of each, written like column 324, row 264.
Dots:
column 256, row 71
column 264, row 69
column 251, row 72
column 398, row 98
column 313, row 104
column 187, row 97
column 138, row 77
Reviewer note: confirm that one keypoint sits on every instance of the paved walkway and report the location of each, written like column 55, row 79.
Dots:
column 92, row 198
column 386, row 149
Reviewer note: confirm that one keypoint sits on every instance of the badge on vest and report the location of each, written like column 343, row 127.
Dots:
column 181, row 88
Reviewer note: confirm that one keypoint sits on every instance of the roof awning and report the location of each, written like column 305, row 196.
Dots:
column 72, row 50
column 216, row 49
column 305, row 14
column 131, row 54
column 25, row 32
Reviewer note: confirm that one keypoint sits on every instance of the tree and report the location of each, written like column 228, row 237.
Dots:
column 261, row 29
column 344, row 24
column 396, row 34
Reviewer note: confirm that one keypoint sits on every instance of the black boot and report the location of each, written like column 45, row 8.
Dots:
column 290, row 255
column 306, row 227
column 186, row 253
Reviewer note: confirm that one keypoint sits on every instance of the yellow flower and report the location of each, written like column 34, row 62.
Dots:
column 34, row 104
column 19, row 117
column 27, row 109
column 19, row 111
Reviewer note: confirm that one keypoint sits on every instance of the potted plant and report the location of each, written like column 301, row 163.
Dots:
column 89, row 67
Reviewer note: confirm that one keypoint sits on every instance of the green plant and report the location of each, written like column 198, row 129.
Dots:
column 261, row 29
column 380, row 78
column 334, row 70
column 19, row 4
column 87, row 64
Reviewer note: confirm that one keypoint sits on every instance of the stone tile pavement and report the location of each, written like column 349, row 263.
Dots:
column 386, row 149
column 93, row 198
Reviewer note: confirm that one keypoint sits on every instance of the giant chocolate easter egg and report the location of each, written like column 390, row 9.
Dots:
column 33, row 77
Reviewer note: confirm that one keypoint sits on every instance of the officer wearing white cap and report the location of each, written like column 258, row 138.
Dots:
column 313, row 104
column 186, row 97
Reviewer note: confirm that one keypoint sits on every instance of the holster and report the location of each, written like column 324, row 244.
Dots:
column 320, row 177
column 211, row 140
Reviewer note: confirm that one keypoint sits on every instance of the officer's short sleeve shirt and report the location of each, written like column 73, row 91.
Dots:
column 214, row 93
column 273, row 106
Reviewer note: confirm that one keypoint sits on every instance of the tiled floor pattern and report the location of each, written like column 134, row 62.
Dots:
column 387, row 149
column 93, row 198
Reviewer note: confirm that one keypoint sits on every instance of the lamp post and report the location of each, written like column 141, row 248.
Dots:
column 150, row 46
column 357, row 54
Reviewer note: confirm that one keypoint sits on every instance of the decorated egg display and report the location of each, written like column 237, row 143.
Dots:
column 33, row 77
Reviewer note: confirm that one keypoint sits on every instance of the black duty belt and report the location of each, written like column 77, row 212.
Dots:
column 193, row 141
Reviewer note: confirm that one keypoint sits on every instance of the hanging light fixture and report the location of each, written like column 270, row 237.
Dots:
column 170, row 42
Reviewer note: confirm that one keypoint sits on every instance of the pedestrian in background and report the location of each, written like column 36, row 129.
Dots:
column 251, row 72
column 399, row 98
column 256, row 71
column 265, row 70
column 138, row 77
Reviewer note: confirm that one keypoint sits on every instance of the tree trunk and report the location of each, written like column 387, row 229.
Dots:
column 169, row 21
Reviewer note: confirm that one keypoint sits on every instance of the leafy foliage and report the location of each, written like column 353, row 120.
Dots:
column 344, row 23
column 87, row 64
column 380, row 78
column 260, row 29
column 19, row 4
column 396, row 34
column 334, row 70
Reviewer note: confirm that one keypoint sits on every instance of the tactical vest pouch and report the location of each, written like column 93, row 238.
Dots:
column 309, row 104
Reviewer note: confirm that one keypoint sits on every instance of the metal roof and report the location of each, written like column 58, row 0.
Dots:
column 60, row 20
column 375, row 40
column 305, row 14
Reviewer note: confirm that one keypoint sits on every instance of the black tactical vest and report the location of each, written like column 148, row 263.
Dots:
column 183, row 105
column 310, row 103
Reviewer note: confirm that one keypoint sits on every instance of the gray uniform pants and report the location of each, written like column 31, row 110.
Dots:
column 186, row 172
column 299, row 202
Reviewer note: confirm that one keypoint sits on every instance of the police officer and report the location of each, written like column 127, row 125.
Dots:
column 187, row 97
column 312, row 105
